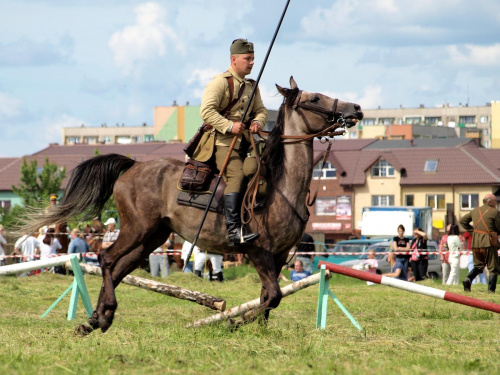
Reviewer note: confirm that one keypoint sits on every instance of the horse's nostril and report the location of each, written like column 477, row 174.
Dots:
column 357, row 107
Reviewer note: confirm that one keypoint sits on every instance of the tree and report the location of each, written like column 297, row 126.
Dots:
column 37, row 184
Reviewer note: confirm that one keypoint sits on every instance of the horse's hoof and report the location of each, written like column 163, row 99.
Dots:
column 83, row 330
column 106, row 320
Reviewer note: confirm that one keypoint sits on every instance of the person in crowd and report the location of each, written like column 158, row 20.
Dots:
column 202, row 257
column 298, row 272
column 158, row 261
column 397, row 269
column 419, row 257
column 481, row 278
column 111, row 234
column 186, row 246
column 50, row 247
column 370, row 264
column 77, row 244
column 225, row 118
column 486, row 219
column 306, row 246
column 455, row 245
column 402, row 244
column 444, row 255
column 3, row 242
column 28, row 247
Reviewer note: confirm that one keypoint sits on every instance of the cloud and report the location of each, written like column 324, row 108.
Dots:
column 370, row 98
column 146, row 40
column 27, row 52
column 9, row 106
column 200, row 78
column 474, row 55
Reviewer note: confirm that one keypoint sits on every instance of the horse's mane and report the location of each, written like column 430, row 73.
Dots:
column 275, row 154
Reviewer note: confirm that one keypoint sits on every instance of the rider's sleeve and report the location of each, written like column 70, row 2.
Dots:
column 259, row 110
column 214, row 100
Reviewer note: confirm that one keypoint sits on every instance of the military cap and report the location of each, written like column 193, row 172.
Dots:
column 241, row 46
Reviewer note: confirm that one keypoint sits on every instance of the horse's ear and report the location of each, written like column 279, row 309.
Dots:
column 293, row 84
column 281, row 90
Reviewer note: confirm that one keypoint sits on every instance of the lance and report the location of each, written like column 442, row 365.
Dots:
column 233, row 143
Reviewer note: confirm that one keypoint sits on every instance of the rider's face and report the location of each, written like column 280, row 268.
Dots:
column 242, row 64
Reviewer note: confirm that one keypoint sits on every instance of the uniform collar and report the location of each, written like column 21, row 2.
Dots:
column 235, row 75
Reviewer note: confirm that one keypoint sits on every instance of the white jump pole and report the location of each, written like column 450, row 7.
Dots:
column 36, row 264
column 412, row 287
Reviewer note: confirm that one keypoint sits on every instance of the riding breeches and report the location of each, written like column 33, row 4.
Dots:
column 233, row 175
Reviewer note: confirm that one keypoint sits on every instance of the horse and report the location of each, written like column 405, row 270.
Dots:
column 145, row 194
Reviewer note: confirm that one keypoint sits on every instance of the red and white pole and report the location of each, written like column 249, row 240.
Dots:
column 411, row 287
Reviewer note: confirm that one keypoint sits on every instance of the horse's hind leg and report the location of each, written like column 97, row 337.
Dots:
column 115, row 266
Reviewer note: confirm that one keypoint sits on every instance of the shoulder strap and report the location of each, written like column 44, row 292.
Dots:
column 232, row 101
column 481, row 218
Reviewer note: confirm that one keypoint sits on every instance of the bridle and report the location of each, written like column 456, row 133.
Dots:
column 332, row 116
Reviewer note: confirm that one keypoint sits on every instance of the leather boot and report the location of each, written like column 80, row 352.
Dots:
column 236, row 234
column 198, row 273
column 470, row 277
column 220, row 276
column 492, row 283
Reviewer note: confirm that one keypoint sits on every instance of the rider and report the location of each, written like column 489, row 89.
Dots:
column 228, row 125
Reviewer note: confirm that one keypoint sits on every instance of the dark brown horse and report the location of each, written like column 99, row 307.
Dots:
column 145, row 195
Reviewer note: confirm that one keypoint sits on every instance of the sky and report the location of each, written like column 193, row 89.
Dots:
column 67, row 63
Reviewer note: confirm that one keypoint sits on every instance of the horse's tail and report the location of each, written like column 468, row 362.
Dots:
column 89, row 188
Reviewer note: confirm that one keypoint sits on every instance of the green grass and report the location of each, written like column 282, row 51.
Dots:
column 403, row 333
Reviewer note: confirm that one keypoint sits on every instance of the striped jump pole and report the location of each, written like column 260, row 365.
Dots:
column 412, row 287
column 13, row 269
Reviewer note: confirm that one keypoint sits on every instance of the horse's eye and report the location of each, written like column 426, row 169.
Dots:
column 314, row 99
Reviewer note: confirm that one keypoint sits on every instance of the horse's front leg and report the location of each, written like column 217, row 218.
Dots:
column 270, row 294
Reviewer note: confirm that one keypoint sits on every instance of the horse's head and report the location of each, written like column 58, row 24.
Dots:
column 320, row 111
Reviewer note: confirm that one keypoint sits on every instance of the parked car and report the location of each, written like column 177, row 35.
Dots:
column 434, row 269
column 348, row 246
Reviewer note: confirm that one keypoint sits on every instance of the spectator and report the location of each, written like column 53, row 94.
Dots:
column 78, row 245
column 202, row 257
column 27, row 246
column 481, row 278
column 397, row 269
column 50, row 246
column 402, row 244
column 444, row 255
column 306, row 246
column 370, row 264
column 111, row 234
column 2, row 242
column 455, row 245
column 298, row 272
column 184, row 253
column 158, row 261
column 419, row 258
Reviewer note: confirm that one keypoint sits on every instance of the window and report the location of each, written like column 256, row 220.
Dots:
column 123, row 139
column 382, row 169
column 469, row 201
column 325, row 206
column 382, row 200
column 328, row 172
column 409, row 200
column 413, row 120
column 432, row 120
column 368, row 121
column 73, row 140
column 106, row 139
column 149, row 138
column 436, row 201
column 483, row 119
column 467, row 119
column 90, row 140
column 386, row 121
column 4, row 206
column 431, row 165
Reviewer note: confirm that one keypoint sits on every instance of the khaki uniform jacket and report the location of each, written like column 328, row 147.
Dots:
column 492, row 220
column 216, row 98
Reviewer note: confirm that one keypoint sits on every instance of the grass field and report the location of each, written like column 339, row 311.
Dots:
column 403, row 333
